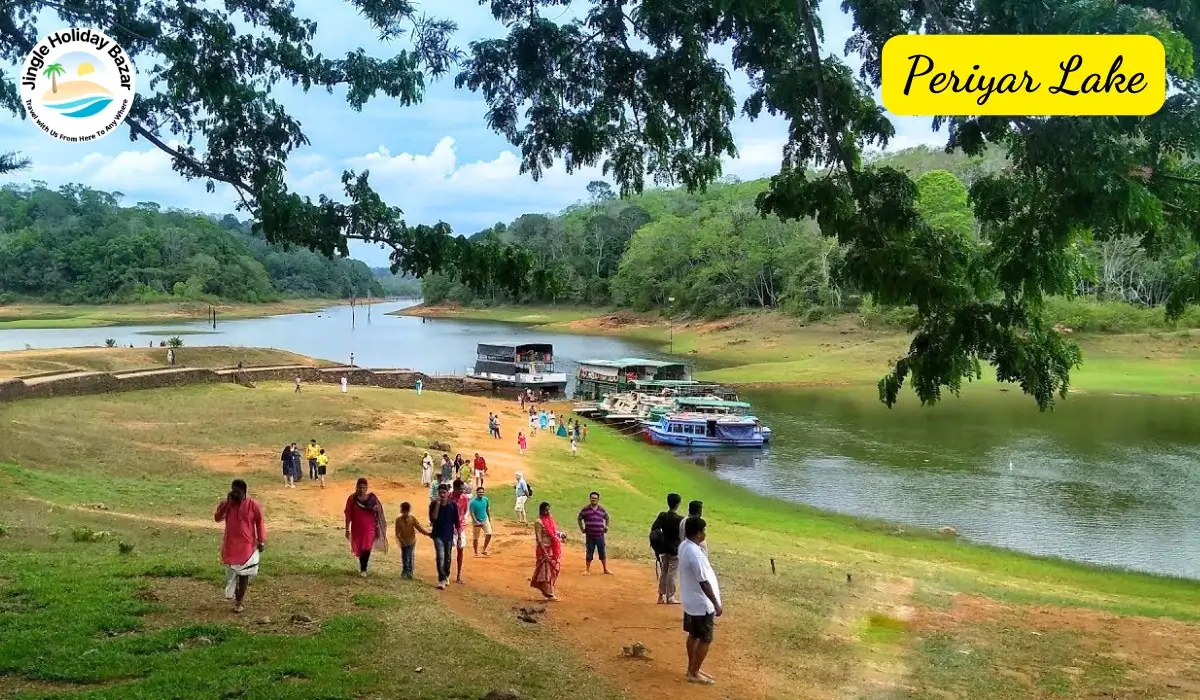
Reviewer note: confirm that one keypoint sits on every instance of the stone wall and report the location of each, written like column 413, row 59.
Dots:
column 80, row 383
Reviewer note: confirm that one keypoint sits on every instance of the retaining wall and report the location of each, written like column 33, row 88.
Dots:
column 82, row 383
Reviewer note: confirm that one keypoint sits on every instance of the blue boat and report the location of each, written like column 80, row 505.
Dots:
column 698, row 430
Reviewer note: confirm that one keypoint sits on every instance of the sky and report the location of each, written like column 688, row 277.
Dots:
column 438, row 161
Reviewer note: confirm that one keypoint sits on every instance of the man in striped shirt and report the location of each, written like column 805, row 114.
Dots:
column 593, row 523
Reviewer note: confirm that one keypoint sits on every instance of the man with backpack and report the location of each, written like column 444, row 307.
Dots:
column 664, row 540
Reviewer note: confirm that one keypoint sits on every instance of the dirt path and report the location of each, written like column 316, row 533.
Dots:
column 598, row 615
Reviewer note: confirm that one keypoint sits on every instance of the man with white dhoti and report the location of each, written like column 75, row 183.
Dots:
column 243, row 541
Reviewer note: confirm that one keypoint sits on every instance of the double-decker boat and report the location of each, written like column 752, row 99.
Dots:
column 520, row 366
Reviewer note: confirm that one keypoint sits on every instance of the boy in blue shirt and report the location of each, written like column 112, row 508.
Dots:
column 481, row 516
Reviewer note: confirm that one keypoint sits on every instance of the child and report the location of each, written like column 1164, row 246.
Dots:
column 574, row 447
column 585, row 431
column 521, row 442
column 322, row 466
column 407, row 528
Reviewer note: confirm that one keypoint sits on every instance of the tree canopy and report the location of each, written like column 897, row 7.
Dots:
column 76, row 244
column 634, row 86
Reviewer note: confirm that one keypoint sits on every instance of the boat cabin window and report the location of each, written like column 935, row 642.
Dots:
column 712, row 428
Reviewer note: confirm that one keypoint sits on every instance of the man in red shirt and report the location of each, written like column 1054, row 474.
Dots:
column 244, row 538
column 462, row 500
column 480, row 471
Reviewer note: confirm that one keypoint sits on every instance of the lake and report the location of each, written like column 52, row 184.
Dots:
column 1111, row 480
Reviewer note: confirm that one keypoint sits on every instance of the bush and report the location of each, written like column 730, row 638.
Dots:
column 175, row 342
column 110, row 342
column 82, row 533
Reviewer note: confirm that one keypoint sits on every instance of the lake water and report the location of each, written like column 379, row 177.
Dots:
column 1110, row 480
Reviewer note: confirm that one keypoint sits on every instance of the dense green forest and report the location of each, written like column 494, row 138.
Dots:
column 713, row 253
column 77, row 245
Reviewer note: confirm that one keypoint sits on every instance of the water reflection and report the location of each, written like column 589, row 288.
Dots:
column 1104, row 479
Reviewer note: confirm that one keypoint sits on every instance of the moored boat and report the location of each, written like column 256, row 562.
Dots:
column 520, row 366
column 705, row 405
column 597, row 379
column 700, row 430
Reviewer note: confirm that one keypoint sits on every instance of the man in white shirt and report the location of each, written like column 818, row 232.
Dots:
column 701, row 598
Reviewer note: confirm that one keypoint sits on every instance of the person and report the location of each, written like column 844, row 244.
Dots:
column 543, row 421
column 420, row 385
column 574, row 447
column 585, row 432
column 701, row 598
column 244, row 539
column 322, row 467
column 170, row 356
column 523, row 493
column 297, row 470
column 553, row 420
column 297, row 384
column 345, row 384
column 462, row 501
column 562, row 430
column 459, row 463
column 665, row 539
column 366, row 526
column 311, row 451
column 443, row 528
column 407, row 528
column 533, row 422
column 496, row 426
column 426, row 470
column 491, row 425
column 521, row 444
column 548, row 560
column 480, row 470
column 286, row 459
column 695, row 510
column 351, row 359
column 433, row 489
column 447, row 468
column 578, row 431
column 593, row 525
column 480, row 509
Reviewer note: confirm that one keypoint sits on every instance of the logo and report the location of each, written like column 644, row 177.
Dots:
column 1026, row 75
column 77, row 85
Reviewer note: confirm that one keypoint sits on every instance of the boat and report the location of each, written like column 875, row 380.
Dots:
column 519, row 366
column 706, row 405
column 596, row 379
column 701, row 430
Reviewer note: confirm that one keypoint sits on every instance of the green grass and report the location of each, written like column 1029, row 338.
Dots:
column 102, row 359
column 151, row 453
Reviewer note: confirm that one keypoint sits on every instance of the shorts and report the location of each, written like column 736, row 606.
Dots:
column 595, row 546
column 699, row 626
column 479, row 474
column 322, row 469
column 460, row 539
column 486, row 526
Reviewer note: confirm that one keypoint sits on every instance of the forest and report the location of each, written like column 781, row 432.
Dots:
column 79, row 245
column 712, row 252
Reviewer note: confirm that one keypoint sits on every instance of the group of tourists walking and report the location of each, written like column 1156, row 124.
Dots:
column 458, row 503
column 314, row 454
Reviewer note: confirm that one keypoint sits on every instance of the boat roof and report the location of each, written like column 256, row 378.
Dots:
column 631, row 362
column 684, row 416
column 514, row 345
column 668, row 382
column 713, row 403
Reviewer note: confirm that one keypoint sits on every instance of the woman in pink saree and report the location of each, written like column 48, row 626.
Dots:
column 366, row 526
column 549, row 552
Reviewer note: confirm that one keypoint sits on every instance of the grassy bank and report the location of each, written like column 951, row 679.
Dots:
column 93, row 316
column 22, row 363
column 919, row 616
column 774, row 349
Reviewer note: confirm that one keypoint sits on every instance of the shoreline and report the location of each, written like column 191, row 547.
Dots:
column 769, row 350
column 37, row 315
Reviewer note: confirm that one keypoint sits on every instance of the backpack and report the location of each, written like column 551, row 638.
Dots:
column 658, row 538
column 661, row 541
column 528, row 489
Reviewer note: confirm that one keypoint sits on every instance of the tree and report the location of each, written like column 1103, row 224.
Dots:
column 52, row 71
column 12, row 162
column 219, row 63
column 633, row 86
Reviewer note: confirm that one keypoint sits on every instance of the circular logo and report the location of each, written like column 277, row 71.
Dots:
column 77, row 84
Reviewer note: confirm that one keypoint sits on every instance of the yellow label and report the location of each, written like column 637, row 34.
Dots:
column 1024, row 75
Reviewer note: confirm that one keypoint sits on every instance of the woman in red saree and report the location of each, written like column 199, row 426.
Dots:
column 549, row 552
column 366, row 526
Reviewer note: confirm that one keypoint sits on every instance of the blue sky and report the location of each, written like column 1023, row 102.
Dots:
column 437, row 160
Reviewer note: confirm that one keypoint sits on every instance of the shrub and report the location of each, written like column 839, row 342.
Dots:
column 175, row 341
column 110, row 342
column 82, row 533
